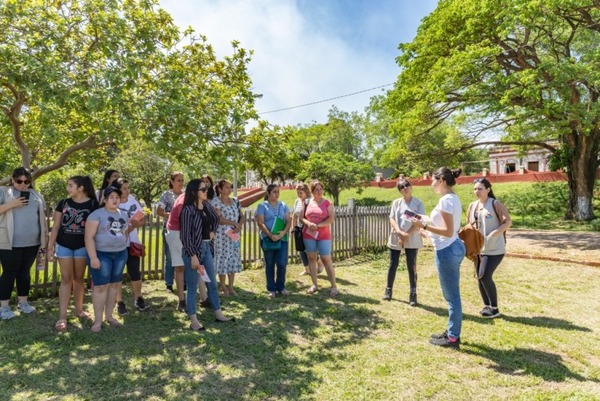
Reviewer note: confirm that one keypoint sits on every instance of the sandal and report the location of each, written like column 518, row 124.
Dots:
column 334, row 292
column 114, row 322
column 61, row 325
column 312, row 289
column 84, row 315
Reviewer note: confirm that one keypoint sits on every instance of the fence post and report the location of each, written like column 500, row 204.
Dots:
column 353, row 224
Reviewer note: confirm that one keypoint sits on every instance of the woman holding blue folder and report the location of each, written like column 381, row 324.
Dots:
column 274, row 221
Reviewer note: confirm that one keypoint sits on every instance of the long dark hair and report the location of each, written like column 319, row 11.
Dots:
column 19, row 171
column 191, row 190
column 270, row 188
column 210, row 194
column 487, row 185
column 105, row 182
column 447, row 175
column 86, row 182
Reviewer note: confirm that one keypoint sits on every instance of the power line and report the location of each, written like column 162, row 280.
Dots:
column 325, row 100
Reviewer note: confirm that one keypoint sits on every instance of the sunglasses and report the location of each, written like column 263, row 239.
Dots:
column 404, row 186
column 26, row 182
column 203, row 189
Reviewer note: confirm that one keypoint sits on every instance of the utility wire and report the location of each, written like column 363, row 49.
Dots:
column 325, row 100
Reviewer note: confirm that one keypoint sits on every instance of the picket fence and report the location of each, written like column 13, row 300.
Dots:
column 355, row 229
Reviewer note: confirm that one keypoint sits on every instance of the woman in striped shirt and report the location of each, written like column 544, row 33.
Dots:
column 198, row 222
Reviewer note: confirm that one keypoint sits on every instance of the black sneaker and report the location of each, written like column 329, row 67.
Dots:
column 181, row 307
column 141, row 305
column 121, row 308
column 412, row 299
column 445, row 342
column 490, row 313
column 387, row 296
column 205, row 304
column 170, row 288
column 438, row 336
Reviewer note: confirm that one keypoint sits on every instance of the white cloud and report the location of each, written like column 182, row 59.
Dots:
column 294, row 61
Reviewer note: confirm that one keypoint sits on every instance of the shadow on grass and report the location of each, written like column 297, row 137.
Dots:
column 523, row 361
column 537, row 321
column 270, row 352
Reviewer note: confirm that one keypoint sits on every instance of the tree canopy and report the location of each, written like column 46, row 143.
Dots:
column 83, row 74
column 528, row 68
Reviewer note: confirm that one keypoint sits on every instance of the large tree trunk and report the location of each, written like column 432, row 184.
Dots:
column 582, row 167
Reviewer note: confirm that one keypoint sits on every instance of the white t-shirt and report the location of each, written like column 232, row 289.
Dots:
column 448, row 203
column 130, row 207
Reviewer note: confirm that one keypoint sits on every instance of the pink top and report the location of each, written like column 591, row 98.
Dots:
column 316, row 213
column 173, row 222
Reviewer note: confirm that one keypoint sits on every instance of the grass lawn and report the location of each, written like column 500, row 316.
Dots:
column 301, row 347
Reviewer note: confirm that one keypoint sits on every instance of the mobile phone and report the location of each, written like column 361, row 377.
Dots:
column 409, row 213
column 25, row 194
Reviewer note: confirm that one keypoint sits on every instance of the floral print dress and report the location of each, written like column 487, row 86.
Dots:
column 227, row 252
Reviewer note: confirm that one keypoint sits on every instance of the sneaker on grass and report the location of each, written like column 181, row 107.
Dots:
column 24, row 307
column 445, row 341
column 141, row 305
column 490, row 313
column 121, row 308
column 6, row 313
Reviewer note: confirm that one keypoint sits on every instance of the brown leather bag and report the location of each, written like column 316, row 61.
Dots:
column 473, row 240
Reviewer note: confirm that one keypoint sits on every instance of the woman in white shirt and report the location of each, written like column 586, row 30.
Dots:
column 442, row 228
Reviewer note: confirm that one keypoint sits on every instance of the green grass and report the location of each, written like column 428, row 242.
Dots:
column 532, row 205
column 304, row 347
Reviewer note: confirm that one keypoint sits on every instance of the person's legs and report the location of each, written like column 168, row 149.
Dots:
column 281, row 258
column 448, row 262
column 231, row 279
column 304, row 259
column 223, row 284
column 411, row 266
column 28, row 256
column 169, row 272
column 79, row 265
column 99, row 303
column 180, row 282
column 324, row 248
column 191, row 279
column 10, row 260
column 67, row 272
column 118, row 260
column 487, row 287
column 313, row 255
column 270, row 270
column 393, row 266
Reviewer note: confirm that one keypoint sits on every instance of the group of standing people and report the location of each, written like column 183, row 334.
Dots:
column 202, row 241
column 409, row 224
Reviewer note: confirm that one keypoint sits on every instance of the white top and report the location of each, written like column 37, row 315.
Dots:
column 130, row 207
column 448, row 203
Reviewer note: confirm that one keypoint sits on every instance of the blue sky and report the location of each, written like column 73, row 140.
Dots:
column 309, row 50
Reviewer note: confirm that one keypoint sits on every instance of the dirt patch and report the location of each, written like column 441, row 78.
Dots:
column 564, row 245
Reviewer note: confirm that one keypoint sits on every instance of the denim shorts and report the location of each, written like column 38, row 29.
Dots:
column 323, row 246
column 62, row 252
column 111, row 267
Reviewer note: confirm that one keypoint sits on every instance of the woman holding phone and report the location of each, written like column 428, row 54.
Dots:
column 23, row 234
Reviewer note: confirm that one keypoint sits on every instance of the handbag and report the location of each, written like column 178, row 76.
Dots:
column 138, row 250
column 298, row 240
column 473, row 240
column 268, row 244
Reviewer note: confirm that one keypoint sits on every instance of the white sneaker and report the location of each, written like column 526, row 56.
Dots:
column 6, row 313
column 24, row 307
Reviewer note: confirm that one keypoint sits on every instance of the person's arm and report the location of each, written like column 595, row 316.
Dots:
column 260, row 222
column 504, row 217
column 17, row 202
column 446, row 229
column 54, row 235
column 91, row 227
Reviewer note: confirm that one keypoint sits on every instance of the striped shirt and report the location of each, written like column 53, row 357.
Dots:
column 196, row 226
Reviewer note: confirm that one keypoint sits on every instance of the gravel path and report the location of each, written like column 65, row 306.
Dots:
column 561, row 245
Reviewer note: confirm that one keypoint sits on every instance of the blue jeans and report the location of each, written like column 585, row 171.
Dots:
column 447, row 262
column 169, row 272
column 111, row 267
column 192, row 279
column 277, row 257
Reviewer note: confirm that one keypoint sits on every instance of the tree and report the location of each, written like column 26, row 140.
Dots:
column 337, row 171
column 528, row 67
column 82, row 74
column 147, row 171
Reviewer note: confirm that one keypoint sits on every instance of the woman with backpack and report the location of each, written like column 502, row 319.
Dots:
column 491, row 218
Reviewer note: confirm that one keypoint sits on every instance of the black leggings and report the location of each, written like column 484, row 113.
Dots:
column 133, row 267
column 16, row 265
column 411, row 265
column 487, row 287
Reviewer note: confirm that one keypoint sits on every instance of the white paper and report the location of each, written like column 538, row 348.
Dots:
column 204, row 276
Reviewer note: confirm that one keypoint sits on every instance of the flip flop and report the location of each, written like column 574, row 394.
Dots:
column 61, row 325
column 85, row 315
column 312, row 289
column 334, row 292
